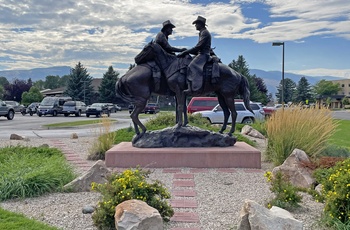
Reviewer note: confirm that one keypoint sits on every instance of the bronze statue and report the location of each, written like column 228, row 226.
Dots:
column 137, row 85
column 202, row 52
column 162, row 38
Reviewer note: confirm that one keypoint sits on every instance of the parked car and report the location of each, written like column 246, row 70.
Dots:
column 15, row 105
column 216, row 115
column 52, row 105
column 97, row 109
column 201, row 103
column 74, row 107
column 118, row 107
column 270, row 110
column 130, row 108
column 31, row 109
column 6, row 110
column 111, row 107
column 152, row 108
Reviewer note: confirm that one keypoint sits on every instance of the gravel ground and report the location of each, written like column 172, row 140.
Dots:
column 220, row 196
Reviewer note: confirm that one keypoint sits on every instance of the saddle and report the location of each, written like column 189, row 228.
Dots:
column 211, row 70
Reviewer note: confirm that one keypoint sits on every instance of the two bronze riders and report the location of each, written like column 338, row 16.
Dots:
column 202, row 51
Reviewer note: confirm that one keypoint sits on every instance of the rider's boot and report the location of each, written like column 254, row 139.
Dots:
column 188, row 91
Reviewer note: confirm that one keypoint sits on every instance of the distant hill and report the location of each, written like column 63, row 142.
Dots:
column 273, row 78
column 35, row 74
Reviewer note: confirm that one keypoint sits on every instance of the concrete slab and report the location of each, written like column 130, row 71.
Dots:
column 241, row 155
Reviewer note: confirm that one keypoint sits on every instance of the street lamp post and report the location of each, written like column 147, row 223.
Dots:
column 281, row 44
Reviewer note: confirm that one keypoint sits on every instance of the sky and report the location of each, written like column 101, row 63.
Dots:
column 102, row 33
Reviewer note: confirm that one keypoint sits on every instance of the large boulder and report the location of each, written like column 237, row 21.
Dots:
column 189, row 136
column 250, row 131
column 256, row 217
column 294, row 168
column 137, row 215
column 97, row 173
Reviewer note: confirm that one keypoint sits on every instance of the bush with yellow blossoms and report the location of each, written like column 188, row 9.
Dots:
column 286, row 195
column 130, row 184
column 336, row 191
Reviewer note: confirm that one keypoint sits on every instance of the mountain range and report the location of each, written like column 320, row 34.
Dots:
column 271, row 78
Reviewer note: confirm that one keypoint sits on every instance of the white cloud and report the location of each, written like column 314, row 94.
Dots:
column 324, row 72
column 35, row 33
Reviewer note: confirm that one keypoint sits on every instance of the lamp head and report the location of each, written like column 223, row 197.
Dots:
column 277, row 43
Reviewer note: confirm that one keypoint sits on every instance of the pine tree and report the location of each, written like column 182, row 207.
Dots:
column 289, row 91
column 242, row 67
column 107, row 87
column 79, row 84
column 303, row 91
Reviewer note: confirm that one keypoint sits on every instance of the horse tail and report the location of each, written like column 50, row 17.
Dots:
column 245, row 92
column 121, row 91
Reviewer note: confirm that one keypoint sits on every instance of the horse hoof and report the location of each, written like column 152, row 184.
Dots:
column 221, row 132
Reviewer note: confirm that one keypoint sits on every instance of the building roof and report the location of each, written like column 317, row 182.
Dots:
column 96, row 82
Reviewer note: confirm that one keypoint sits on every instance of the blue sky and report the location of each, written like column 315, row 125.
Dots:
column 37, row 34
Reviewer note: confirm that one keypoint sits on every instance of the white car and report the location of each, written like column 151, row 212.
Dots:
column 216, row 115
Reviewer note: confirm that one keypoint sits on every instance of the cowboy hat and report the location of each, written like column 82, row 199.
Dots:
column 168, row 23
column 200, row 19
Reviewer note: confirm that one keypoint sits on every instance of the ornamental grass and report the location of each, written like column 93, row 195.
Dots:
column 307, row 129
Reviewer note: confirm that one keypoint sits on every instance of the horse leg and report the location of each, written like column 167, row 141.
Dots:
column 180, row 105
column 231, row 104
column 185, row 111
column 135, row 118
column 225, row 110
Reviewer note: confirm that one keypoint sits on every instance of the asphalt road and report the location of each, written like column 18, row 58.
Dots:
column 33, row 126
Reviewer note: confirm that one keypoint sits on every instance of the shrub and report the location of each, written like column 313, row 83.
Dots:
column 335, row 151
column 336, row 191
column 130, row 184
column 105, row 140
column 32, row 171
column 286, row 195
column 307, row 129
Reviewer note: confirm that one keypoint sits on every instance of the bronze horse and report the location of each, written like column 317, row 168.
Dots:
column 137, row 85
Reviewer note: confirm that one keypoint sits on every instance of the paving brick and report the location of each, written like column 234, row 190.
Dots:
column 183, row 183
column 180, row 203
column 184, row 193
column 225, row 170
column 199, row 170
column 190, row 217
column 183, row 176
column 171, row 170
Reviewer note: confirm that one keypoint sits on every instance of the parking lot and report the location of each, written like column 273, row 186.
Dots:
column 33, row 126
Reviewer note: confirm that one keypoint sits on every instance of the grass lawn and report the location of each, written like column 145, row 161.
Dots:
column 341, row 136
column 14, row 221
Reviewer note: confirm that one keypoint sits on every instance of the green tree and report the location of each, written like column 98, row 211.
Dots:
column 2, row 91
column 33, row 95
column 107, row 87
column 303, row 91
column 4, row 81
column 325, row 88
column 289, row 91
column 79, row 84
column 242, row 67
column 64, row 80
column 40, row 84
column 52, row 82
